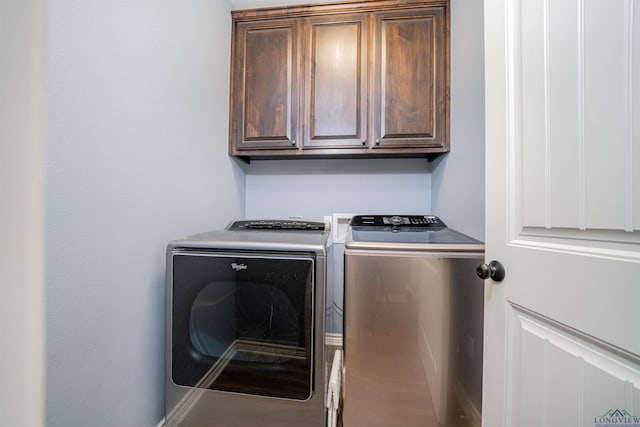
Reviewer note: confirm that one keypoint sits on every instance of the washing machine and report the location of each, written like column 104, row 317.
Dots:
column 245, row 326
column 413, row 323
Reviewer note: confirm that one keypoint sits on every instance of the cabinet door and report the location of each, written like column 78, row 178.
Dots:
column 411, row 99
column 264, row 87
column 335, row 81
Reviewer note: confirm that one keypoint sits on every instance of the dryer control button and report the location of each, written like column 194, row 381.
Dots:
column 396, row 220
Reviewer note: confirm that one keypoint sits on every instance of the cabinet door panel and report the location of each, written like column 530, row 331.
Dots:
column 335, row 108
column 265, row 96
column 411, row 105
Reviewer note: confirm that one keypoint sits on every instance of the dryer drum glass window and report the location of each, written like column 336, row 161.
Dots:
column 243, row 323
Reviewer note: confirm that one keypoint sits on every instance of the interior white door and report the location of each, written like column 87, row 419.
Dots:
column 562, row 331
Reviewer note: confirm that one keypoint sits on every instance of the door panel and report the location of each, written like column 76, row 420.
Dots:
column 558, row 364
column 562, row 212
column 576, row 102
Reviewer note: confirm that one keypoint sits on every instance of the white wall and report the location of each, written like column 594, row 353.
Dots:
column 458, row 178
column 138, row 131
column 22, row 213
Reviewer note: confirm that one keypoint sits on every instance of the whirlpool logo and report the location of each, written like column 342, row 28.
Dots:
column 617, row 417
column 238, row 267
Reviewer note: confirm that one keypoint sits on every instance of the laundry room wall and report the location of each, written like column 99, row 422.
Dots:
column 137, row 147
column 457, row 192
column 314, row 188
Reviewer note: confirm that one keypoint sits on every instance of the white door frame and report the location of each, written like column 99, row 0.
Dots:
column 22, row 213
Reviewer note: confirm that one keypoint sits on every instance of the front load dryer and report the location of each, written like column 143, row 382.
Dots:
column 245, row 326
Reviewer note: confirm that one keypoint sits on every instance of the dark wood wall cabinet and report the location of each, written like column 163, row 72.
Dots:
column 354, row 79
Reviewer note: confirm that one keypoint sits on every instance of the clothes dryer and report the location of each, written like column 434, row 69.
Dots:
column 245, row 326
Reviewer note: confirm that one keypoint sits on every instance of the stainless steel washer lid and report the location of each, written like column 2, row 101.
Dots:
column 407, row 232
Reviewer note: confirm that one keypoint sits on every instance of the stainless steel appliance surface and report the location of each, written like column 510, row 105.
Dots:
column 245, row 326
column 413, row 323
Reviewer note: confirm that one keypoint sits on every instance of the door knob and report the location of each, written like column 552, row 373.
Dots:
column 494, row 270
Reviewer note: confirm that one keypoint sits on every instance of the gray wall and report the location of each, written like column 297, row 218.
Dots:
column 458, row 178
column 137, row 147
column 314, row 188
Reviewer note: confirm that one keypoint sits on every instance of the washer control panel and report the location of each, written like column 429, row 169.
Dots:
column 398, row 221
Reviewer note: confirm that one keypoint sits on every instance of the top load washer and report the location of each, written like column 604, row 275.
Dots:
column 245, row 325
column 413, row 323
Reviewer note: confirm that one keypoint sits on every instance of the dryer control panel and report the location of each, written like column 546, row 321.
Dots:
column 399, row 221
column 277, row 224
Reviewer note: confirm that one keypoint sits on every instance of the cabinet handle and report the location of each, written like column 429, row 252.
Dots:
column 364, row 141
column 293, row 142
column 378, row 141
